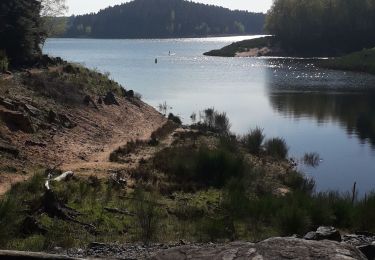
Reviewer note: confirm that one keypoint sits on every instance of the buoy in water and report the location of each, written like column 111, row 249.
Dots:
column 156, row 61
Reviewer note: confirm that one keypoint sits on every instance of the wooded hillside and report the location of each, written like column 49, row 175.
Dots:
column 165, row 18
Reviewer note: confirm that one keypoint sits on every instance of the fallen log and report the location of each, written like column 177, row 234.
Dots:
column 10, row 254
column 119, row 211
column 64, row 176
column 56, row 209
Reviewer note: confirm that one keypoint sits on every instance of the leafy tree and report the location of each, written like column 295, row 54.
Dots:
column 20, row 30
column 51, row 13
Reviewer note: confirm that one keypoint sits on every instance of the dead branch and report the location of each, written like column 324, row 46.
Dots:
column 119, row 211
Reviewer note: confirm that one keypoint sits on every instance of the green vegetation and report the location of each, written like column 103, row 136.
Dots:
column 362, row 61
column 315, row 28
column 214, row 121
column 72, row 83
column 253, row 141
column 276, row 147
column 20, row 31
column 175, row 118
column 202, row 188
column 165, row 18
column 243, row 46
column 322, row 27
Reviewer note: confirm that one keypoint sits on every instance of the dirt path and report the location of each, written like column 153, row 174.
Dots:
column 100, row 166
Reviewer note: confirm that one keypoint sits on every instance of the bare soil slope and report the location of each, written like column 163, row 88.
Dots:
column 66, row 116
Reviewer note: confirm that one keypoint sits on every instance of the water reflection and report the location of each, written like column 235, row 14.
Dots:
column 355, row 112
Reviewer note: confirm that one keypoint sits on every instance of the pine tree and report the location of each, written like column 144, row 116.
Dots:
column 21, row 33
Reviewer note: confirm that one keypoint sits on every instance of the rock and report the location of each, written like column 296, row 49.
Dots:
column 130, row 93
column 311, row 236
column 31, row 110
column 368, row 251
column 89, row 101
column 273, row 248
column 324, row 233
column 110, row 99
column 17, row 121
column 8, row 104
column 7, row 148
column 66, row 122
column 52, row 116
column 364, row 241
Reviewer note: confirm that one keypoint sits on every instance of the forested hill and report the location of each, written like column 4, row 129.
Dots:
column 165, row 18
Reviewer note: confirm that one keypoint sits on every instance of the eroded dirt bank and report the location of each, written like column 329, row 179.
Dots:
column 66, row 116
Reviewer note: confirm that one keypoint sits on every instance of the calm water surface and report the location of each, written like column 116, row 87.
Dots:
column 315, row 110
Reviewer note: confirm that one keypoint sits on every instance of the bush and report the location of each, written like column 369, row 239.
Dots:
column 365, row 213
column 215, row 228
column 213, row 121
column 130, row 147
column 292, row 219
column 7, row 219
column 277, row 148
column 297, row 182
column 253, row 141
column 221, row 123
column 204, row 167
column 175, row 119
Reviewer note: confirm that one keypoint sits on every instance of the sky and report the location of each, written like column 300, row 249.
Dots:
column 77, row 7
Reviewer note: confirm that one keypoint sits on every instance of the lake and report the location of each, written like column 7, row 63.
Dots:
column 315, row 110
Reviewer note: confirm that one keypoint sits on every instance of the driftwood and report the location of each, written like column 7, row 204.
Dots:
column 119, row 211
column 118, row 179
column 56, row 209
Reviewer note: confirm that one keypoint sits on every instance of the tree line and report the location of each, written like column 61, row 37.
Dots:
column 323, row 25
column 164, row 18
column 24, row 26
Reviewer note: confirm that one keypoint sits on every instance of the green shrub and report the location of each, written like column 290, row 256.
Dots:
column 214, row 121
column 253, row 141
column 204, row 167
column 175, row 119
column 7, row 219
column 221, row 123
column 365, row 213
column 277, row 148
column 292, row 219
column 216, row 228
column 298, row 182
column 235, row 199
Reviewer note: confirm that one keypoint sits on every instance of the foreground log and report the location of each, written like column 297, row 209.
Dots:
column 8, row 254
column 119, row 211
column 56, row 209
